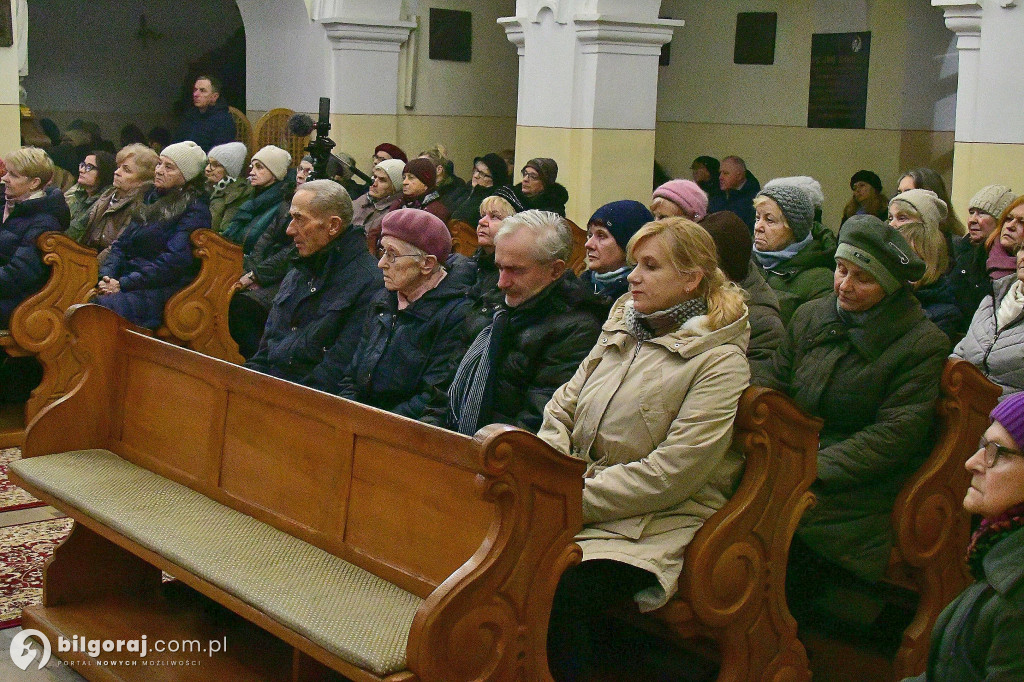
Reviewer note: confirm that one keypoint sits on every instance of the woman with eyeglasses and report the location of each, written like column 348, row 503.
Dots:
column 403, row 357
column 133, row 179
column 267, row 172
column 489, row 173
column 540, row 189
column 995, row 340
column 370, row 208
column 152, row 259
column 867, row 361
column 95, row 174
column 29, row 210
column 980, row 635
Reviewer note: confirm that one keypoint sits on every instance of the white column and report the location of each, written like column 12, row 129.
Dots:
column 366, row 38
column 588, row 90
column 964, row 19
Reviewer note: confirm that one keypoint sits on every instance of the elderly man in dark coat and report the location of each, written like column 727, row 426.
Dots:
column 324, row 297
column 867, row 361
column 546, row 326
column 404, row 357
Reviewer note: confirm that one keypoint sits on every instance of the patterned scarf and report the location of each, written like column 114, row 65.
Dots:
column 988, row 535
column 472, row 386
column 662, row 322
column 222, row 184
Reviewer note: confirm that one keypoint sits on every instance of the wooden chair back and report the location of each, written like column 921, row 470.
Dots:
column 243, row 130
column 930, row 527
column 578, row 260
column 732, row 589
column 463, row 237
column 272, row 128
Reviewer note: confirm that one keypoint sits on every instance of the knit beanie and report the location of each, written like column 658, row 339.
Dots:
column 391, row 150
column 394, row 168
column 796, row 204
column 1010, row 413
column 547, row 169
column 933, row 210
column 496, row 166
column 423, row 169
column 509, row 195
column 275, row 159
column 868, row 177
column 992, row 199
column 622, row 219
column 420, row 229
column 877, row 247
column 687, row 195
column 709, row 162
column 732, row 239
column 231, row 156
column 187, row 156
column 809, row 184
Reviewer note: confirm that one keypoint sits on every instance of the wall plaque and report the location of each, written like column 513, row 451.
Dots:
column 839, row 80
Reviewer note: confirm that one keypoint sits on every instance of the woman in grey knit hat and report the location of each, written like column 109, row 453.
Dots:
column 796, row 265
column 969, row 273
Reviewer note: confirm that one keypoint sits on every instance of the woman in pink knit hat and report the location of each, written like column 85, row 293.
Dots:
column 680, row 198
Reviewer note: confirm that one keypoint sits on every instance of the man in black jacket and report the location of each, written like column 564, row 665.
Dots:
column 324, row 297
column 208, row 123
column 549, row 322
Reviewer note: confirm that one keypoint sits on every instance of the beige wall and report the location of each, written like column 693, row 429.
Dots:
column 708, row 105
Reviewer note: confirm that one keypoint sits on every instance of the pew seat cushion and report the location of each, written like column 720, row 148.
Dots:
column 346, row 610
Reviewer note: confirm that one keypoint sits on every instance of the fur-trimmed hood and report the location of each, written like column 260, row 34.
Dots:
column 170, row 205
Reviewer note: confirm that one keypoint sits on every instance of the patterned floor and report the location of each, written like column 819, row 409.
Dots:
column 11, row 496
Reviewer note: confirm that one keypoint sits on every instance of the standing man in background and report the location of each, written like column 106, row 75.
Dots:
column 208, row 123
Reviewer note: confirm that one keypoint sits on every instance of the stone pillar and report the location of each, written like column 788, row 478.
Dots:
column 366, row 38
column 10, row 112
column 989, row 142
column 588, row 84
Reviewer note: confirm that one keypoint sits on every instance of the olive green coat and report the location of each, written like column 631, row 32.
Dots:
column 874, row 384
column 807, row 275
column 224, row 206
column 980, row 635
column 654, row 425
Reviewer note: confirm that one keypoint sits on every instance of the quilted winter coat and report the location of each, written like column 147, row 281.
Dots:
column 152, row 259
column 654, row 425
column 998, row 353
column 22, row 272
column 874, row 384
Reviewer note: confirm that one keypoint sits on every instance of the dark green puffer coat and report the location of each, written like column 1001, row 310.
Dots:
column 806, row 276
column 874, row 383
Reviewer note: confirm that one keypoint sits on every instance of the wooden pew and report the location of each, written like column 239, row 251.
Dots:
column 930, row 526
column 463, row 237
column 733, row 586
column 37, row 324
column 475, row 532
column 197, row 316
column 578, row 259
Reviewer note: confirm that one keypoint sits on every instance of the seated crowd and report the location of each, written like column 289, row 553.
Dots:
column 636, row 365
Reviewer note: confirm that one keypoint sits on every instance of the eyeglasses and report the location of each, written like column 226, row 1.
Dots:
column 993, row 451
column 531, row 176
column 377, row 158
column 391, row 256
column 86, row 167
column 482, row 174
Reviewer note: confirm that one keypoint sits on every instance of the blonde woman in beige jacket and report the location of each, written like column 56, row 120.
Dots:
column 651, row 411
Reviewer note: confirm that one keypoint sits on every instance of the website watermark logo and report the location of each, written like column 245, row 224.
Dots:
column 23, row 653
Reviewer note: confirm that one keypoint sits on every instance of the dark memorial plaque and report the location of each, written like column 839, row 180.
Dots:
column 839, row 80
column 451, row 35
column 6, row 24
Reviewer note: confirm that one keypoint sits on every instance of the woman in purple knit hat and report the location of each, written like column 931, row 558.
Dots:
column 980, row 635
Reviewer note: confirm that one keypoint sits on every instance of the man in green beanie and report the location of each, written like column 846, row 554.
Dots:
column 867, row 361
